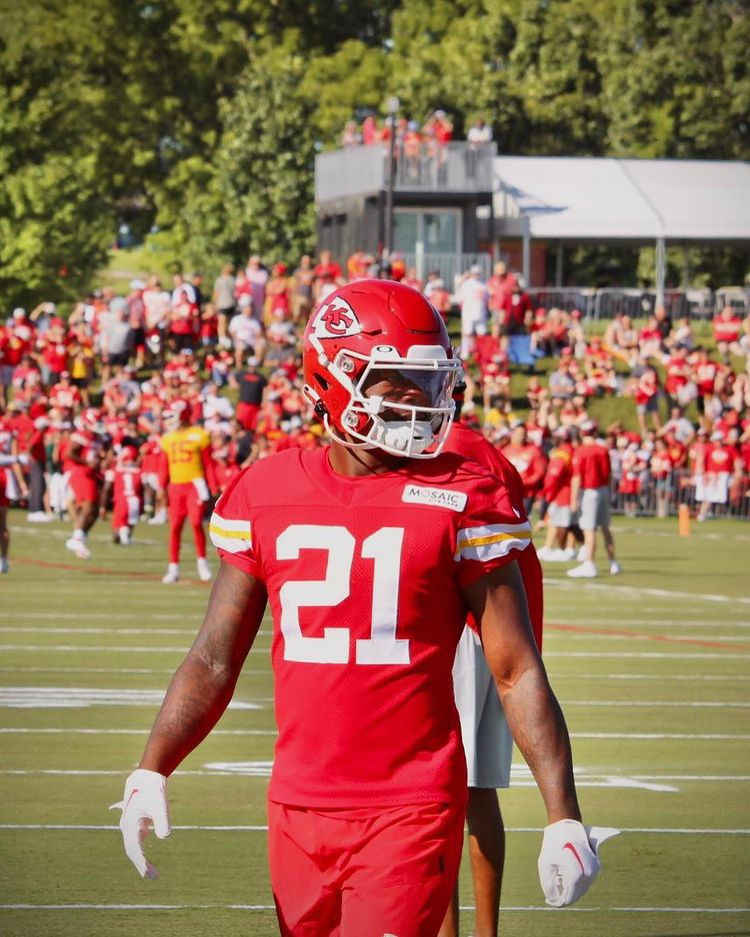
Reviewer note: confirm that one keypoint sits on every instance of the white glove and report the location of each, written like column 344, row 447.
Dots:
column 143, row 805
column 568, row 862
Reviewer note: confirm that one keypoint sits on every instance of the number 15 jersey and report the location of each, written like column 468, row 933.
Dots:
column 364, row 577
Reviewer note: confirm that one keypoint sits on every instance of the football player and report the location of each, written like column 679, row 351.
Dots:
column 370, row 553
column 485, row 734
column 127, row 494
column 81, row 465
column 187, row 473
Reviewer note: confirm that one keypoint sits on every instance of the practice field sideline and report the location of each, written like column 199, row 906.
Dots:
column 651, row 668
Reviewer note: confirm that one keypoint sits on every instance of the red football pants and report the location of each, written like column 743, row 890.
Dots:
column 185, row 502
column 364, row 872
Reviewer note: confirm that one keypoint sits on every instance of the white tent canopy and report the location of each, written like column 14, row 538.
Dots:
column 574, row 198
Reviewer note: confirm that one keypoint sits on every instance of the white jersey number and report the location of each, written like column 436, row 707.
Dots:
column 384, row 548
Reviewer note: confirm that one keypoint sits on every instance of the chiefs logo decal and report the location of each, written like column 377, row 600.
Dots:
column 335, row 320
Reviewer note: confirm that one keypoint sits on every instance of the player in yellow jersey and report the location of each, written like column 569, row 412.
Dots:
column 187, row 472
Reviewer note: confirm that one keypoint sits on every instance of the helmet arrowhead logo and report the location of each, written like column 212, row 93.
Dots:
column 336, row 320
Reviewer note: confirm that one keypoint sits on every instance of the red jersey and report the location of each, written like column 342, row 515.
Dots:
column 678, row 374
column 591, row 465
column 727, row 330
column 65, row 396
column 530, row 463
column 364, row 579
column 473, row 446
column 556, row 488
column 126, row 483
column 705, row 373
column 719, row 459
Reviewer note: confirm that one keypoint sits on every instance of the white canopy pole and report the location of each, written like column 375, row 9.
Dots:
column 661, row 262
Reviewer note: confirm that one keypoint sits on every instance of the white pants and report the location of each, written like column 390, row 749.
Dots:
column 486, row 737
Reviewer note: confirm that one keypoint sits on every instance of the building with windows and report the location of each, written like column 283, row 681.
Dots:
column 440, row 212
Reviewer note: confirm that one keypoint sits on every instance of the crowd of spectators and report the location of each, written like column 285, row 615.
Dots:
column 232, row 349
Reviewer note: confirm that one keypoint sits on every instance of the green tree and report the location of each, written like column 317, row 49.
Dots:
column 257, row 194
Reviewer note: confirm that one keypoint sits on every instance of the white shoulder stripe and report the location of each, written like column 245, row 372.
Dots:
column 491, row 541
column 231, row 535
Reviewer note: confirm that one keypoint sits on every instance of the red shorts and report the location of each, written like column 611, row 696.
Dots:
column 364, row 871
column 185, row 500
column 247, row 415
column 83, row 483
column 4, row 499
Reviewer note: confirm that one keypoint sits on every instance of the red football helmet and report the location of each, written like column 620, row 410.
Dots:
column 90, row 420
column 379, row 369
column 176, row 414
column 128, row 455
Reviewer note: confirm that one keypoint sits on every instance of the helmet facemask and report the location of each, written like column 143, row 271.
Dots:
column 401, row 405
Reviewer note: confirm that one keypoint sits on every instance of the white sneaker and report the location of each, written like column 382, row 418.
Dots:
column 159, row 518
column 4, row 568
column 81, row 551
column 204, row 571
column 39, row 517
column 562, row 556
column 586, row 570
column 615, row 568
column 581, row 555
column 72, row 544
column 544, row 553
column 172, row 574
column 124, row 536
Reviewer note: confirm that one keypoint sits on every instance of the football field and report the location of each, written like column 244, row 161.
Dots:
column 651, row 668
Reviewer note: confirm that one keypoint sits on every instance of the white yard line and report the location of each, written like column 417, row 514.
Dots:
column 112, row 649
column 147, row 649
column 640, row 591
column 269, row 907
column 259, row 828
column 647, row 655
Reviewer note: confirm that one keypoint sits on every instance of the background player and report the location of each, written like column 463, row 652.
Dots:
column 370, row 558
column 127, row 494
column 81, row 466
column 186, row 473
column 486, row 738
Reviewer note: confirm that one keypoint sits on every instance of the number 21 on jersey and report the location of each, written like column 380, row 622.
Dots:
column 382, row 547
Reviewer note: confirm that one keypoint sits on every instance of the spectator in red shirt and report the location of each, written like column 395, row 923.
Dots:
column 726, row 328
column 529, row 461
column 589, row 495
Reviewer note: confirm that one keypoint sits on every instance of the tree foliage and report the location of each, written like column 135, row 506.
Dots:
column 203, row 117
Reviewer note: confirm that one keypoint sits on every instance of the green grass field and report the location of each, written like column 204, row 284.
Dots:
column 651, row 668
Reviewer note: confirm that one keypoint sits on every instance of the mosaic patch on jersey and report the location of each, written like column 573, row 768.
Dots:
column 336, row 319
column 435, row 497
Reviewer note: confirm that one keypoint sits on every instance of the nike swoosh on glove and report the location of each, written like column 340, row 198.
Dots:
column 144, row 806
column 568, row 862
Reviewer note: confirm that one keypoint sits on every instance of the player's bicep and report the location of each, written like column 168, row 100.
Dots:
column 498, row 603
column 235, row 611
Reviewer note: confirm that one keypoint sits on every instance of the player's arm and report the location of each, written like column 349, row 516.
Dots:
column 209, row 469
column 199, row 693
column 203, row 685
column 498, row 603
column 568, row 863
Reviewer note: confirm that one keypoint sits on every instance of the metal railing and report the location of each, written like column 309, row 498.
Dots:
column 663, row 497
column 360, row 170
column 737, row 297
column 449, row 266
column 567, row 298
column 605, row 303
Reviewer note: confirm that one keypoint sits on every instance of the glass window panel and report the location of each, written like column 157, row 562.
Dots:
column 439, row 232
